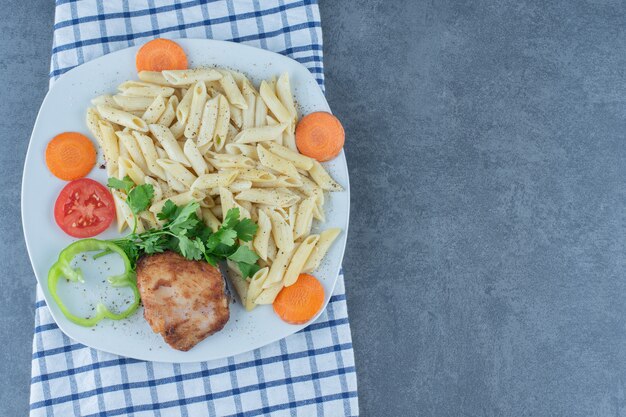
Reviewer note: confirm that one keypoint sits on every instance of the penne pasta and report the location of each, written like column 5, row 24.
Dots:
column 226, row 161
column 150, row 154
column 122, row 118
column 270, row 197
column 281, row 230
column 191, row 76
column 210, row 220
column 122, row 211
column 260, row 114
column 110, row 147
column 208, row 181
column 273, row 104
column 198, row 164
column 249, row 112
column 154, row 77
column 321, row 177
column 255, row 288
column 208, row 123
column 128, row 141
column 178, row 171
column 144, row 89
column 132, row 170
column 260, row 134
column 198, row 101
column 297, row 159
column 231, row 90
column 298, row 259
column 130, row 103
column 169, row 114
column 283, row 92
column 276, row 163
column 166, row 139
column 105, row 99
column 221, row 123
column 241, row 149
column 278, row 268
column 304, row 218
column 154, row 111
column 182, row 111
column 262, row 237
column 327, row 237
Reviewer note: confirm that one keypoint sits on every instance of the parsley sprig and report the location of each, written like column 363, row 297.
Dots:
column 185, row 233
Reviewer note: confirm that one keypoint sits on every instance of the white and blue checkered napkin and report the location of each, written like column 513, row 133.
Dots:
column 310, row 373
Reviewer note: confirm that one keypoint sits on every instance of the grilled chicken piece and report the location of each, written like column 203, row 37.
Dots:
column 183, row 300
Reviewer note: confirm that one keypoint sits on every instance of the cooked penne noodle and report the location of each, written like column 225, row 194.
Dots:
column 260, row 113
column 304, row 218
column 132, row 170
column 273, row 103
column 240, row 186
column 298, row 259
column 154, row 77
column 179, row 199
column 278, row 268
column 256, row 176
column 208, row 123
column 150, row 154
column 182, row 111
column 130, row 103
column 228, row 202
column 167, row 140
column 149, row 219
column 191, row 76
column 297, row 159
column 241, row 149
column 210, row 220
column 236, row 116
column 270, row 197
column 281, row 231
column 143, row 89
column 327, row 237
column 122, row 118
column 231, row 90
column 110, row 147
column 268, row 295
column 198, row 164
column 92, row 119
column 177, row 129
column 249, row 112
column 208, row 181
column 260, row 134
column 255, row 288
column 154, row 111
column 289, row 139
column 226, row 161
column 178, row 171
column 262, row 237
column 236, row 279
column 276, row 163
column 169, row 114
column 222, row 123
column 122, row 211
column 128, row 141
column 321, row 177
column 283, row 92
column 198, row 101
column 105, row 99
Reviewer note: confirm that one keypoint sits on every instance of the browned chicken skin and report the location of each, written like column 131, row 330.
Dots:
column 183, row 300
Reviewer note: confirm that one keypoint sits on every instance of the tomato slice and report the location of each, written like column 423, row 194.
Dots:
column 84, row 208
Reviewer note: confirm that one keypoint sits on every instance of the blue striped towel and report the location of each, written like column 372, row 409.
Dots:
column 310, row 373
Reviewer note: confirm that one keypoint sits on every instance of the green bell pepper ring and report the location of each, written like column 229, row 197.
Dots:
column 62, row 268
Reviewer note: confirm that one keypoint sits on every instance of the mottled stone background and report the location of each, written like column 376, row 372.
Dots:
column 485, row 140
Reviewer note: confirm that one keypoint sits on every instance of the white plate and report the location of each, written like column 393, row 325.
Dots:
column 63, row 109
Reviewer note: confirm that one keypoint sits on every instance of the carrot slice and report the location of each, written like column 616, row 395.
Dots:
column 70, row 156
column 320, row 136
column 161, row 54
column 301, row 301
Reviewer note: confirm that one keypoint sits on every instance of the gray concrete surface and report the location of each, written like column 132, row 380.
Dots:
column 485, row 266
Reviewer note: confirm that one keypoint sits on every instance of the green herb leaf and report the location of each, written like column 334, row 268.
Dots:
column 231, row 219
column 247, row 270
column 244, row 254
column 168, row 212
column 123, row 185
column 191, row 249
column 246, row 229
column 186, row 219
column 139, row 198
